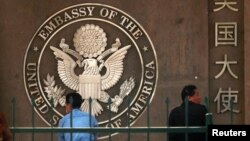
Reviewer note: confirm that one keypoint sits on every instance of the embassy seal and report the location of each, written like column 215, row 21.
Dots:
column 100, row 52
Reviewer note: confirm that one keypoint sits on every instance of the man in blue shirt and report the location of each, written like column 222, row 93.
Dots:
column 79, row 119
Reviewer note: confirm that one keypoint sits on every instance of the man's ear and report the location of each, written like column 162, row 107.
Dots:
column 68, row 108
column 190, row 98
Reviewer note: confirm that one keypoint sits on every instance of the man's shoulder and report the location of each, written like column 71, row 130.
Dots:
column 177, row 109
column 62, row 120
column 81, row 113
column 200, row 107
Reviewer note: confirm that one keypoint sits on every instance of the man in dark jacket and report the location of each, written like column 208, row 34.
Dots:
column 195, row 111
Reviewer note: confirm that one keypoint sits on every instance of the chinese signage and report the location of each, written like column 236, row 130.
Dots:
column 226, row 69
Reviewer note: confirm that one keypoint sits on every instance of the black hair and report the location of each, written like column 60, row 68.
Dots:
column 76, row 100
column 188, row 90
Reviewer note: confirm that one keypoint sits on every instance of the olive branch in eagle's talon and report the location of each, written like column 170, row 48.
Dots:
column 53, row 92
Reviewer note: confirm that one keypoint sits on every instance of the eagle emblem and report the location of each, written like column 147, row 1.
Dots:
column 91, row 57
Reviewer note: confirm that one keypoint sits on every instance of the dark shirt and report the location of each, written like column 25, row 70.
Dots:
column 196, row 117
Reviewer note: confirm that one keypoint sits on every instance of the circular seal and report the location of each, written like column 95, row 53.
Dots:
column 100, row 52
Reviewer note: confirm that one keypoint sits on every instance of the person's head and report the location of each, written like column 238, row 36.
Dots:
column 4, row 128
column 73, row 101
column 192, row 94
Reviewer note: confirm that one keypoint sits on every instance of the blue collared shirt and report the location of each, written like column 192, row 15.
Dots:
column 79, row 119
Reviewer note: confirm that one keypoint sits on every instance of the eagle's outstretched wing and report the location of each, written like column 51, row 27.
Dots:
column 65, row 67
column 114, row 68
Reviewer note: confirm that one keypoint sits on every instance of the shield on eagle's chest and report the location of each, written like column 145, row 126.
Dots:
column 90, row 86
